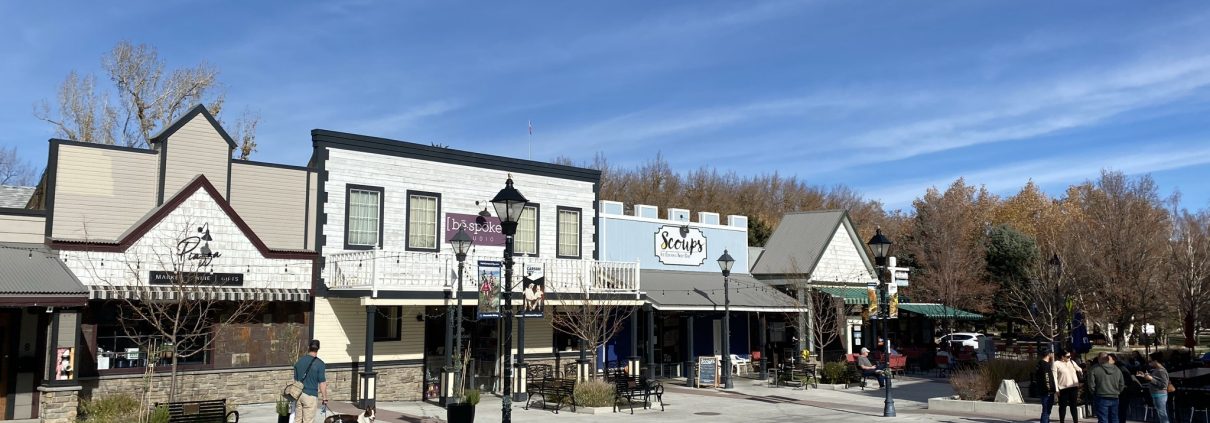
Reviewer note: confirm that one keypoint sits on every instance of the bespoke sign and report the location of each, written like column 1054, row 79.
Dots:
column 680, row 245
column 484, row 230
column 196, row 278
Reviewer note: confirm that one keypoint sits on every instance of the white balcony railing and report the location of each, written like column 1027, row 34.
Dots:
column 379, row 270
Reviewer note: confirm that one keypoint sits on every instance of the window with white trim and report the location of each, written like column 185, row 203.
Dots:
column 568, row 232
column 526, row 240
column 363, row 222
column 422, row 220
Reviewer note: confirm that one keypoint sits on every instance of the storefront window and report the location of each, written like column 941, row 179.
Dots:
column 130, row 343
column 388, row 324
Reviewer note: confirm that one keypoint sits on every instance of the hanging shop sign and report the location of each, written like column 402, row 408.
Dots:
column 533, row 286
column 489, row 279
column 485, row 230
column 680, row 245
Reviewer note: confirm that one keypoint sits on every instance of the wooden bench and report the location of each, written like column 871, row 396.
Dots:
column 561, row 390
column 200, row 411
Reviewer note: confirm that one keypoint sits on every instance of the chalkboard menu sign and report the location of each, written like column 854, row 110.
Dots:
column 707, row 371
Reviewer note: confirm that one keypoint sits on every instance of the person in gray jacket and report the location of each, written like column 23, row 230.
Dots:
column 1106, row 383
column 1156, row 381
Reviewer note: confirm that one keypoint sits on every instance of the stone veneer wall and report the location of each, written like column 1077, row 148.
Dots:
column 259, row 385
column 58, row 404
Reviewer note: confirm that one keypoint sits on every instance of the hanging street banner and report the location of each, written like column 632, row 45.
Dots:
column 873, row 309
column 489, row 280
column 533, row 286
column 680, row 245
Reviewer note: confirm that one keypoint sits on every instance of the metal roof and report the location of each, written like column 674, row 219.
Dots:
column 850, row 295
column 15, row 197
column 681, row 290
column 939, row 311
column 32, row 270
column 798, row 242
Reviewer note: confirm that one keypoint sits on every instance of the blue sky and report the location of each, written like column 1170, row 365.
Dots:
column 886, row 97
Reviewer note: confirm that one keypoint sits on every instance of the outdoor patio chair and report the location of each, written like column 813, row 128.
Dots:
column 944, row 368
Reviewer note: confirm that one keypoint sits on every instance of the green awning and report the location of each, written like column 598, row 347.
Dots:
column 939, row 311
column 851, row 295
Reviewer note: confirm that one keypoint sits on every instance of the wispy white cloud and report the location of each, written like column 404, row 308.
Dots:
column 398, row 122
column 1065, row 169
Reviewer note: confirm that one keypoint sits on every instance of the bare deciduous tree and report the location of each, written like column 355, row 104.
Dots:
column 1188, row 265
column 13, row 170
column 146, row 98
column 596, row 320
column 1119, row 244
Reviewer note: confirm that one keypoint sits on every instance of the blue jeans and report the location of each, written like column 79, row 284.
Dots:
column 1048, row 402
column 1160, row 401
column 1107, row 410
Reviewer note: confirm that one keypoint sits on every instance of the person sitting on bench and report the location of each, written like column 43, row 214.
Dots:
column 868, row 368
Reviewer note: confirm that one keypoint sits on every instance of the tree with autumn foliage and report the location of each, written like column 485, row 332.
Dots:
column 945, row 240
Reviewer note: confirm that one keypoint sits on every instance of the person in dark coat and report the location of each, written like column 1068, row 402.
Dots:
column 1044, row 380
column 1132, row 391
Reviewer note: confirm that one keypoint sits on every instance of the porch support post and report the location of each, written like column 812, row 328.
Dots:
column 368, row 375
column 764, row 353
column 690, row 374
column 632, row 360
column 650, row 341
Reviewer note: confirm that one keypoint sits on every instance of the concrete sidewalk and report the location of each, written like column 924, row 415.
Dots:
column 750, row 401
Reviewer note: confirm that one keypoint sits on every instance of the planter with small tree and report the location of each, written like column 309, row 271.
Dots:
column 283, row 410
column 463, row 412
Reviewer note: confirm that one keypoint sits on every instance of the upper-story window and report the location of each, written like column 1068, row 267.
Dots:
column 568, row 232
column 363, row 217
column 526, row 241
column 423, row 211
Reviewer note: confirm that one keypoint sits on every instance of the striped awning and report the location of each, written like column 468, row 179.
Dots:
column 850, row 295
column 208, row 293
column 939, row 311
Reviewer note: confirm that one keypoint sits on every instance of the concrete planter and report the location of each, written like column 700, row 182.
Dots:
column 1024, row 411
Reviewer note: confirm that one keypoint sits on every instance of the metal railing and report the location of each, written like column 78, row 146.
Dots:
column 378, row 270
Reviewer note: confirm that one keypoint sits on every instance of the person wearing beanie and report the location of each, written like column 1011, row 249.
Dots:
column 1044, row 380
column 310, row 370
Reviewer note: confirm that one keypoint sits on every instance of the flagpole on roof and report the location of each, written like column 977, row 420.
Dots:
column 531, row 139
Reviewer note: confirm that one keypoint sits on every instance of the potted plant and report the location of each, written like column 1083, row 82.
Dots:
column 283, row 410
column 463, row 412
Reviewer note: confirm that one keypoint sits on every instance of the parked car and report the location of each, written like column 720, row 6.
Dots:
column 964, row 339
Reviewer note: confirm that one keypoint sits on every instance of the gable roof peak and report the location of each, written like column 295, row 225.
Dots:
column 176, row 125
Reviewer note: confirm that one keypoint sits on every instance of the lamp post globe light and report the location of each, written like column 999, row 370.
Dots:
column 509, row 204
column 724, row 263
column 880, row 245
column 462, row 244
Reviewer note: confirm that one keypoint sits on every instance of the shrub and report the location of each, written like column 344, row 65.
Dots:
column 159, row 414
column 112, row 408
column 1000, row 369
column 970, row 385
column 594, row 393
column 834, row 372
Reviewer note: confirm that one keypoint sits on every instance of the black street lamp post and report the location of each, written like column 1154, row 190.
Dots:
column 725, row 262
column 880, row 245
column 509, row 204
column 462, row 244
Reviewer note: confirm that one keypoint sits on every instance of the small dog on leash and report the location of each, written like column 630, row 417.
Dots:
column 364, row 417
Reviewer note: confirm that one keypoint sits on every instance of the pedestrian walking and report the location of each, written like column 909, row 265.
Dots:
column 1044, row 379
column 1157, row 383
column 1106, row 384
column 311, row 371
column 1067, row 383
column 1133, row 391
